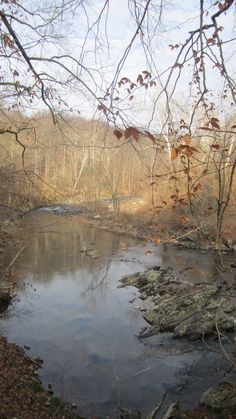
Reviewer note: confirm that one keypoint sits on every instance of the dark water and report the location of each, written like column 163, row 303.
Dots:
column 71, row 313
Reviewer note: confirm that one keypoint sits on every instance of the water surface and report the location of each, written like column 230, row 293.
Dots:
column 71, row 314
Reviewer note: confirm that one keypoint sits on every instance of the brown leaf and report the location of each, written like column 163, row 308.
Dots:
column 215, row 124
column 132, row 132
column 215, row 146
column 152, row 83
column 174, row 153
column 183, row 219
column 118, row 134
column 140, row 79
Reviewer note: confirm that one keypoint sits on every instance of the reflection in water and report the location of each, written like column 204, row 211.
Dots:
column 73, row 316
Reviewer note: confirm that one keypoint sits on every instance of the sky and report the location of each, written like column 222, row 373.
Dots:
column 101, row 48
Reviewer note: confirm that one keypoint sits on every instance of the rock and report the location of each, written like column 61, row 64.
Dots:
column 221, row 397
column 182, row 308
column 133, row 280
column 154, row 276
column 150, row 316
column 129, row 414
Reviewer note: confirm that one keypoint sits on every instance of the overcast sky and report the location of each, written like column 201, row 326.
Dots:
column 100, row 45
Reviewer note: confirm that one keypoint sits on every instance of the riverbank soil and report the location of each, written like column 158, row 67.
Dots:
column 21, row 393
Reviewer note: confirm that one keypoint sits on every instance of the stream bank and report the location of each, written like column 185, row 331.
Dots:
column 21, row 392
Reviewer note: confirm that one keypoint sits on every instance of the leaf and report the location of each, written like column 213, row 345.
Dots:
column 173, row 196
column 183, row 219
column 147, row 74
column 164, row 202
column 132, row 132
column 118, row 134
column 215, row 124
column 233, row 126
column 131, row 97
column 187, row 150
column 187, row 139
column 174, row 153
column 140, row 79
column 215, row 146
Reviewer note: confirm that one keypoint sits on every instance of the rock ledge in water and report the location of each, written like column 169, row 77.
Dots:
column 187, row 310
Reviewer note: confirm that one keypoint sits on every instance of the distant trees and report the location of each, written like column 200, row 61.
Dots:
column 182, row 81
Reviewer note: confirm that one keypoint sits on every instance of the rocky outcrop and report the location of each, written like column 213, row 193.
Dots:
column 187, row 310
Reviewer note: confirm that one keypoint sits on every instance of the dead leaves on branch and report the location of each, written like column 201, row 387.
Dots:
column 212, row 124
column 130, row 132
column 185, row 149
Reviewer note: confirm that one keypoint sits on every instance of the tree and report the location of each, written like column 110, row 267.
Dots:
column 46, row 66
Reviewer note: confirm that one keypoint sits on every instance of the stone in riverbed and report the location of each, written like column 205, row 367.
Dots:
column 221, row 397
column 154, row 276
column 150, row 316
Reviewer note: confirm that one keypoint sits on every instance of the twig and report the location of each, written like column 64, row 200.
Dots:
column 222, row 347
column 15, row 258
column 183, row 235
column 157, row 408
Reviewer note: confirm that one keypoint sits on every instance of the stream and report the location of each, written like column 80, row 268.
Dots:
column 71, row 313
